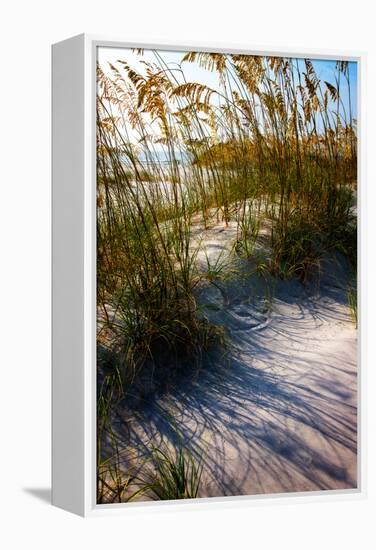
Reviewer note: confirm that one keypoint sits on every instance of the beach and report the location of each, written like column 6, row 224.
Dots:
column 278, row 411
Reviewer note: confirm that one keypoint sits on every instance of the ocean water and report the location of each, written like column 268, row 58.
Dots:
column 162, row 157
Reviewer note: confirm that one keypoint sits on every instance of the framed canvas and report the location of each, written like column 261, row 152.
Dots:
column 208, row 296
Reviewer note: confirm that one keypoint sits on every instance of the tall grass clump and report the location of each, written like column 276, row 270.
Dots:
column 175, row 472
column 145, row 268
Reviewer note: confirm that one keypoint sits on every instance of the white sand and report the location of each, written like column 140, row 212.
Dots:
column 279, row 413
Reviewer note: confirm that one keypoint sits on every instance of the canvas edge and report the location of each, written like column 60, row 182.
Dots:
column 90, row 508
column 68, row 378
column 358, row 492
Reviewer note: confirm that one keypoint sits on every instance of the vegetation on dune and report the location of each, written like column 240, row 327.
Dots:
column 175, row 473
column 271, row 145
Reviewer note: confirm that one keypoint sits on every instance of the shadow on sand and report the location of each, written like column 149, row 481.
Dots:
column 278, row 413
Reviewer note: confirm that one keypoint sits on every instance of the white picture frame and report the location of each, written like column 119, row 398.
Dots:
column 74, row 277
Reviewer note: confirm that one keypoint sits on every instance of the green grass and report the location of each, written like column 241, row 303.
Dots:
column 248, row 224
column 176, row 473
column 352, row 297
column 296, row 248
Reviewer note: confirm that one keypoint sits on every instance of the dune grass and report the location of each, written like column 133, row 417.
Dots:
column 272, row 137
column 271, row 144
column 175, row 474
column 352, row 296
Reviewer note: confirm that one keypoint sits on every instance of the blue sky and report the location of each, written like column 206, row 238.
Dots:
column 325, row 70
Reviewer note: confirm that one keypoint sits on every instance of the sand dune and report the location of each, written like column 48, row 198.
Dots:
column 278, row 411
